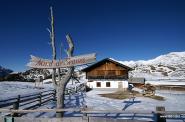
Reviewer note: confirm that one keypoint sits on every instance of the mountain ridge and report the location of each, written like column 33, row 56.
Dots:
column 4, row 71
column 171, row 65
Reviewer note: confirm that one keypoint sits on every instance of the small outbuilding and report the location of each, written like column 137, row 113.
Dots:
column 107, row 74
column 136, row 81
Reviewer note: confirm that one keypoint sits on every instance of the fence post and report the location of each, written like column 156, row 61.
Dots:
column 85, row 117
column 54, row 95
column 160, row 117
column 40, row 98
column 16, row 106
column 76, row 90
column 8, row 119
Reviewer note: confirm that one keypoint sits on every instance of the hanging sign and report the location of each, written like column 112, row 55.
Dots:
column 37, row 62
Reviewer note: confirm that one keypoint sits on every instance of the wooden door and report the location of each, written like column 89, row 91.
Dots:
column 120, row 86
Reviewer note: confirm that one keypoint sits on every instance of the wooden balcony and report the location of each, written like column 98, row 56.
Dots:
column 108, row 77
column 107, row 74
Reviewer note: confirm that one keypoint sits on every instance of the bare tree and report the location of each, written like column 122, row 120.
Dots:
column 61, row 85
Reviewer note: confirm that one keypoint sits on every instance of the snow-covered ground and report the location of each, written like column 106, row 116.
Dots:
column 174, row 101
column 167, row 82
column 11, row 89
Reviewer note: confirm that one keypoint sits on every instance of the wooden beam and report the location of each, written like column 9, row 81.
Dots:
column 38, row 110
column 92, row 111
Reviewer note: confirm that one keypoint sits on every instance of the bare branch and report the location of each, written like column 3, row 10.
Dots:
column 65, row 50
column 49, row 31
column 52, row 36
column 71, row 45
column 61, row 46
column 49, row 34
column 69, row 53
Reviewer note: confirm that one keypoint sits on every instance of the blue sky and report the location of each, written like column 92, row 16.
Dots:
column 121, row 29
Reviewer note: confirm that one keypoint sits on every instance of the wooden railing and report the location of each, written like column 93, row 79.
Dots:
column 160, row 115
column 28, row 101
column 35, row 100
column 108, row 77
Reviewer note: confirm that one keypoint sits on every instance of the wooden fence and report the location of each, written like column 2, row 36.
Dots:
column 35, row 100
column 30, row 101
column 67, row 119
column 159, row 115
column 23, row 104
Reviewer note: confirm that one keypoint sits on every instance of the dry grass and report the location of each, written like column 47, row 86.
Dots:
column 121, row 94
column 156, row 97
column 171, row 88
column 127, row 94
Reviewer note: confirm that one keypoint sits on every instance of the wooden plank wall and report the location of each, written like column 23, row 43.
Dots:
column 106, row 69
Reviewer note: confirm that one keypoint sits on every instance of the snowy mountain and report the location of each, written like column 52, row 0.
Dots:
column 4, row 71
column 171, row 65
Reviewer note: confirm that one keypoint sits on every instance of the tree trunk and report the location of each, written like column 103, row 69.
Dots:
column 61, row 91
column 59, row 77
column 62, row 83
column 60, row 100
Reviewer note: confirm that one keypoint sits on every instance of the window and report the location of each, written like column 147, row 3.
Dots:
column 98, row 84
column 107, row 84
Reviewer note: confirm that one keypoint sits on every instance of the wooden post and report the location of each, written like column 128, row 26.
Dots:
column 8, row 119
column 54, row 95
column 69, row 97
column 35, row 82
column 85, row 90
column 16, row 106
column 84, row 114
column 159, row 116
column 40, row 99
column 76, row 89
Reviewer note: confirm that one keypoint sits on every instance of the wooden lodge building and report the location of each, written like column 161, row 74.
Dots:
column 107, row 73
